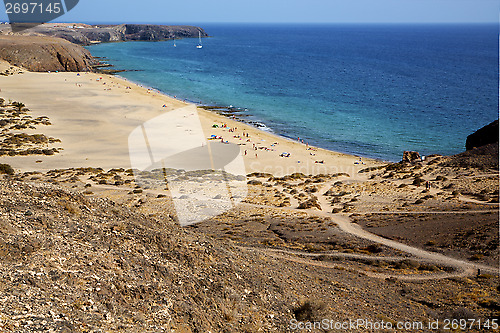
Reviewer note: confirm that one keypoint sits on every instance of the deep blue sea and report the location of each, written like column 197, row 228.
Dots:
column 371, row 90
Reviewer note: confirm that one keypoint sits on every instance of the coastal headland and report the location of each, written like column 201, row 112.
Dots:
column 55, row 47
column 320, row 236
column 86, row 34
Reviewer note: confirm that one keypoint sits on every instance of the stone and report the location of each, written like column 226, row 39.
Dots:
column 411, row 157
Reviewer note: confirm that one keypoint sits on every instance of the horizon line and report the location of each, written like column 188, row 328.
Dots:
column 276, row 23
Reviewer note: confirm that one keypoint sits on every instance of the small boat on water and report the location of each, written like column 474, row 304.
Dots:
column 199, row 46
column 174, row 43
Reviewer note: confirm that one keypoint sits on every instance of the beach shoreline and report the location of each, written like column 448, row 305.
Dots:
column 93, row 114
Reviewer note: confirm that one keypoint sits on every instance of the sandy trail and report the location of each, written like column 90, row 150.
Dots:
column 467, row 268
column 462, row 268
column 301, row 258
column 428, row 212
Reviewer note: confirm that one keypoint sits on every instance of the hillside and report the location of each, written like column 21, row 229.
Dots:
column 42, row 54
column 74, row 260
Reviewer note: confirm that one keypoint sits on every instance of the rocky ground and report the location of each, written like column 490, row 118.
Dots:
column 87, row 250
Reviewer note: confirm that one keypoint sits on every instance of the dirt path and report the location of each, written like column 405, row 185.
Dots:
column 302, row 258
column 467, row 268
column 461, row 268
column 428, row 212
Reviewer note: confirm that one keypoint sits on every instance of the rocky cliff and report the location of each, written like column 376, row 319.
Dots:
column 157, row 32
column 85, row 34
column 486, row 135
column 482, row 150
column 52, row 47
column 42, row 54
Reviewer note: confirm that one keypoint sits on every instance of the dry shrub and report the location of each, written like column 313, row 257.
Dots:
column 309, row 310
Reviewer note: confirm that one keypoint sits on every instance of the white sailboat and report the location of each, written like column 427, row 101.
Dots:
column 199, row 46
column 174, row 43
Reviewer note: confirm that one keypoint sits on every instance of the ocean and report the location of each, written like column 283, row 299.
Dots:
column 370, row 90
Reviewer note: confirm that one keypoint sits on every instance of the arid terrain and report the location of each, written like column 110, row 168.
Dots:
column 88, row 249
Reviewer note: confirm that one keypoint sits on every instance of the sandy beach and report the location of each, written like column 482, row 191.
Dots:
column 93, row 115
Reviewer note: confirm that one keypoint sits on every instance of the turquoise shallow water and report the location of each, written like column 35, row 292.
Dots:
column 371, row 90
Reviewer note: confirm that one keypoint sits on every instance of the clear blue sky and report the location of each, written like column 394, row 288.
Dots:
column 283, row 11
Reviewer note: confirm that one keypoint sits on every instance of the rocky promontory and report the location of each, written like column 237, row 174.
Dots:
column 84, row 34
column 483, row 136
column 42, row 54
column 58, row 46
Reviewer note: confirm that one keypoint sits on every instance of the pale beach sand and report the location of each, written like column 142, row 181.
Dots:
column 94, row 117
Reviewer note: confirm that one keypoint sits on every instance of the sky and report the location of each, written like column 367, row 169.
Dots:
column 282, row 11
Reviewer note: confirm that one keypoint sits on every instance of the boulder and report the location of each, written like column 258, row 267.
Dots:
column 411, row 157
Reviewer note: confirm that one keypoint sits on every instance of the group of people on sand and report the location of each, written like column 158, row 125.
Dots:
column 302, row 141
column 255, row 147
column 246, row 153
column 244, row 136
column 360, row 161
